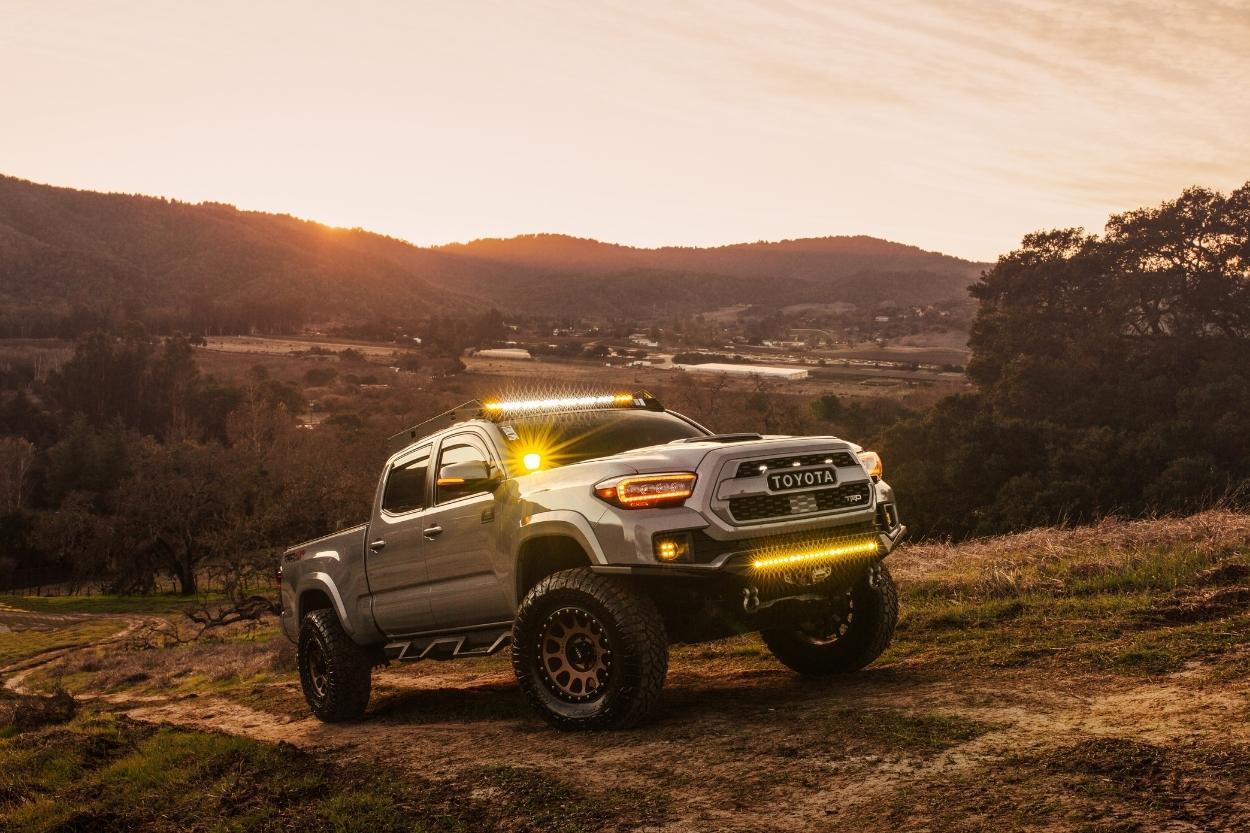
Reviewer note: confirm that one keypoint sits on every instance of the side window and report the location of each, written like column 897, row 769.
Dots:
column 459, row 450
column 405, row 485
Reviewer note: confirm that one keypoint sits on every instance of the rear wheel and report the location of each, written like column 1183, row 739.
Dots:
column 333, row 670
column 589, row 651
column 845, row 633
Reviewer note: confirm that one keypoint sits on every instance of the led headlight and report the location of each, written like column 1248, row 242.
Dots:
column 647, row 491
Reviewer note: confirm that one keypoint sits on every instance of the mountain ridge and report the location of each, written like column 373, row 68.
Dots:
column 212, row 264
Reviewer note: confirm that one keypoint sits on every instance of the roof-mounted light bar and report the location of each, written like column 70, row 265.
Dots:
column 496, row 409
column 518, row 407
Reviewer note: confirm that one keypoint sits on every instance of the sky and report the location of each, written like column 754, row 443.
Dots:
column 956, row 126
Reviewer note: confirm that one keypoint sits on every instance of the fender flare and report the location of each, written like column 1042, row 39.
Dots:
column 562, row 523
column 324, row 583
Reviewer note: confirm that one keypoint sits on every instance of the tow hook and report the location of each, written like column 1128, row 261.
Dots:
column 750, row 599
column 874, row 576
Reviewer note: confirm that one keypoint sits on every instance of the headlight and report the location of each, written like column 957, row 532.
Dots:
column 871, row 462
column 647, row 491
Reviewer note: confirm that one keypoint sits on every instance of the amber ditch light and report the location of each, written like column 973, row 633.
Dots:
column 648, row 491
column 532, row 461
column 871, row 461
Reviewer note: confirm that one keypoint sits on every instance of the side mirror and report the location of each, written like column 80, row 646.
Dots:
column 469, row 475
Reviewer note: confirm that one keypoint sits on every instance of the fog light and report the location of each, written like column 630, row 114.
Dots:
column 672, row 547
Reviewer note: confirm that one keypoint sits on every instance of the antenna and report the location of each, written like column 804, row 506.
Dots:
column 446, row 419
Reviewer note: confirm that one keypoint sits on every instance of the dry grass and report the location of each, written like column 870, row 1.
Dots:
column 238, row 654
column 16, row 646
column 1058, row 559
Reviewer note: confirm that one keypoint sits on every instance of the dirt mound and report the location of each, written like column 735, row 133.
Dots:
column 1199, row 607
column 28, row 711
column 1226, row 574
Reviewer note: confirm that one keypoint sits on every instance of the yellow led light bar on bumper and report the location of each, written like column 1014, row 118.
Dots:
column 781, row 560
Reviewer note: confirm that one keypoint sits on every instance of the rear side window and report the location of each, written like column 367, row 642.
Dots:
column 405, row 485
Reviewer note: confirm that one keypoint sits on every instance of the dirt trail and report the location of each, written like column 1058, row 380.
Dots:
column 12, row 619
column 731, row 750
column 751, row 747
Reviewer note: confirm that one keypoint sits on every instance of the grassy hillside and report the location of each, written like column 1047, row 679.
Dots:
column 1088, row 679
column 67, row 253
column 1149, row 597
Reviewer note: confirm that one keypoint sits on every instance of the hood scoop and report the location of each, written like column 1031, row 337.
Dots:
column 724, row 438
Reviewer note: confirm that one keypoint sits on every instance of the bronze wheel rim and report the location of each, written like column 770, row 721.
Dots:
column 574, row 655
column 318, row 672
column 831, row 624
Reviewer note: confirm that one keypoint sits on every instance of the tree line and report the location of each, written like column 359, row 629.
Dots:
column 131, row 464
column 1112, row 375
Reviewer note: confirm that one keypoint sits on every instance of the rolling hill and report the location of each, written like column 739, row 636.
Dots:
column 69, row 256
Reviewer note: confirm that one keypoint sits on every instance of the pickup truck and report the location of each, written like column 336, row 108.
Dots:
column 588, row 533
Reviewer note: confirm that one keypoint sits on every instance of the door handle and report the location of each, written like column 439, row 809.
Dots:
column 433, row 532
column 378, row 545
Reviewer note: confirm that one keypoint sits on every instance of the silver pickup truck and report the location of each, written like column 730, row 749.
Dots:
column 589, row 533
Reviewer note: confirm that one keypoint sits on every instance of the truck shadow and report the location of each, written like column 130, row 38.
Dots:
column 485, row 702
column 742, row 695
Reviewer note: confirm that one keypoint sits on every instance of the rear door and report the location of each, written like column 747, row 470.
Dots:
column 398, row 578
column 462, row 550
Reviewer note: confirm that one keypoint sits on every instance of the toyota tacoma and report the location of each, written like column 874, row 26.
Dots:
column 587, row 534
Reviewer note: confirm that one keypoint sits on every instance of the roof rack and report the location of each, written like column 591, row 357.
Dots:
column 496, row 410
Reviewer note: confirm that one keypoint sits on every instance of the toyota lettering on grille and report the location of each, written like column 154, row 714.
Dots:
column 785, row 481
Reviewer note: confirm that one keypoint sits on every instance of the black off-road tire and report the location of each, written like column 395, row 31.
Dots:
column 334, row 671
column 874, row 613
column 631, row 627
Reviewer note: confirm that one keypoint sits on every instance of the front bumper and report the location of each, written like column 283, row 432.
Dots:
column 758, row 556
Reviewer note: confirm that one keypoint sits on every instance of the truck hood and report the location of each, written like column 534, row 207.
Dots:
column 701, row 455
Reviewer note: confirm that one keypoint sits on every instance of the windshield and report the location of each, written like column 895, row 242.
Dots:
column 561, row 439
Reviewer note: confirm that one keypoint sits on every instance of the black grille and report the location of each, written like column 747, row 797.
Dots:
column 752, row 468
column 759, row 507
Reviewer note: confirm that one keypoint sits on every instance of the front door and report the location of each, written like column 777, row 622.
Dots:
column 462, row 545
column 398, row 577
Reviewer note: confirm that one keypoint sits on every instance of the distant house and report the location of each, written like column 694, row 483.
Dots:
column 504, row 353
column 789, row 374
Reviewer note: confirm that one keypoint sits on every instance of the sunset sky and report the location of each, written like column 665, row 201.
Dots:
column 956, row 126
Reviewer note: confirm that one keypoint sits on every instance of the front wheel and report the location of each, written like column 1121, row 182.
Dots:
column 589, row 651
column 333, row 670
column 845, row 633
